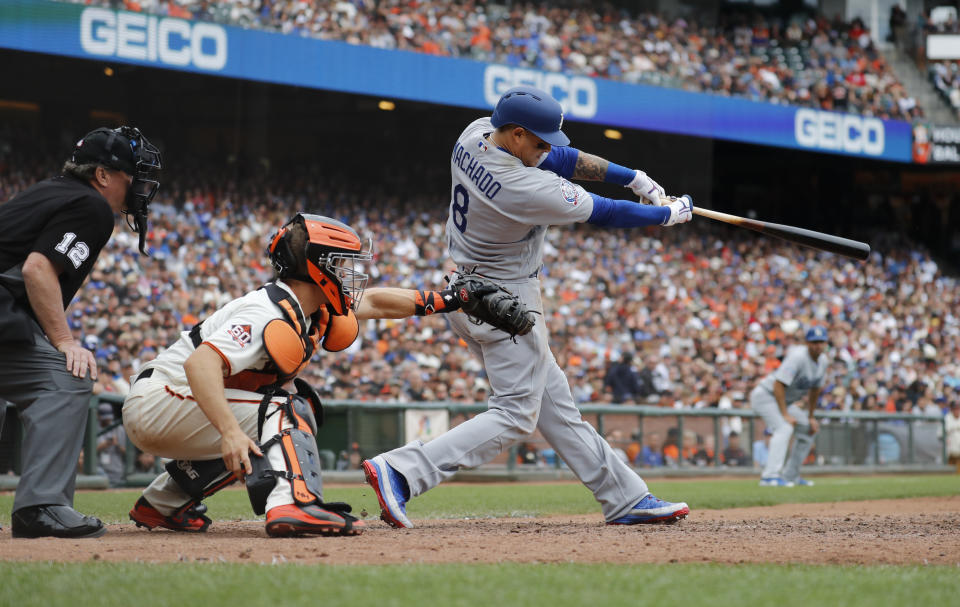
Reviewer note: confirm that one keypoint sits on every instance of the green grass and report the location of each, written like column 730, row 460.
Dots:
column 557, row 585
column 529, row 500
column 176, row 585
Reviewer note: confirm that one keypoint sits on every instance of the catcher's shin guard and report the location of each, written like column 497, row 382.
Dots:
column 298, row 445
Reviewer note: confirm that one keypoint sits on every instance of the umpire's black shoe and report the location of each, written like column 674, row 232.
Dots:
column 55, row 521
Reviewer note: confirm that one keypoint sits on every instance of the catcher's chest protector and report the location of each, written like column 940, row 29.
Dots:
column 290, row 345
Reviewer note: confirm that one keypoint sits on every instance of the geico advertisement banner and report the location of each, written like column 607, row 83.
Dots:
column 93, row 32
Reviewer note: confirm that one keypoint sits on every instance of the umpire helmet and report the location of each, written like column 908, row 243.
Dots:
column 534, row 110
column 125, row 149
column 326, row 256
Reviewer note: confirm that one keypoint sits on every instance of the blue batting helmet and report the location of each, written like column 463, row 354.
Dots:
column 817, row 334
column 534, row 110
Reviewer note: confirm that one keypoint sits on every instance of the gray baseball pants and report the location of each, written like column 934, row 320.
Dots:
column 52, row 405
column 529, row 392
column 764, row 403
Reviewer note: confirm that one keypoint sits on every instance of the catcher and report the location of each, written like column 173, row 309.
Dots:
column 214, row 401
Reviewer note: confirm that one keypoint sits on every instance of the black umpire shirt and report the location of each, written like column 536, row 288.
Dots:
column 65, row 219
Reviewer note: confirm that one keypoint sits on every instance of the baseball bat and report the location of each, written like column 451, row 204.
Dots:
column 853, row 249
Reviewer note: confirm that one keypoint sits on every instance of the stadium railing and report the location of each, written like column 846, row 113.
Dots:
column 848, row 442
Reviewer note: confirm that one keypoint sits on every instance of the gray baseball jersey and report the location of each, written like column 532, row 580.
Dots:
column 798, row 373
column 500, row 208
column 499, row 213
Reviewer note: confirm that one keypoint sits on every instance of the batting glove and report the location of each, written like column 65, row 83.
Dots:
column 647, row 188
column 681, row 210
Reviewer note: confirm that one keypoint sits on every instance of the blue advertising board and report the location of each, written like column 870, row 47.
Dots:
column 91, row 32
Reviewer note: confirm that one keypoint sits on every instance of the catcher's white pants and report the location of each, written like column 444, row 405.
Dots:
column 164, row 419
column 765, row 403
column 529, row 392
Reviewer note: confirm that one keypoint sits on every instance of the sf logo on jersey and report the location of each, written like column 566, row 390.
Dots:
column 241, row 334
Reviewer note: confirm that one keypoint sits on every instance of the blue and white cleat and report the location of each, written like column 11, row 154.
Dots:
column 802, row 482
column 392, row 491
column 774, row 481
column 653, row 510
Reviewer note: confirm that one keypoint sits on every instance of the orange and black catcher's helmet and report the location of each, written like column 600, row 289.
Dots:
column 328, row 257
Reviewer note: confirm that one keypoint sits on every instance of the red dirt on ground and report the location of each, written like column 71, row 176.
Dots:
column 914, row 531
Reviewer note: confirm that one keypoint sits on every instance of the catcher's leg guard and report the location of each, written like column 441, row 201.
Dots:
column 298, row 446
column 199, row 480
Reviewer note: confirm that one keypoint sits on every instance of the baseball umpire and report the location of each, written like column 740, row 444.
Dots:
column 214, row 401
column 52, row 234
column 510, row 182
column 801, row 373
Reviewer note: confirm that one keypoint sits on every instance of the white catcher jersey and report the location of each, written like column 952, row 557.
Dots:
column 235, row 331
column 798, row 373
column 500, row 208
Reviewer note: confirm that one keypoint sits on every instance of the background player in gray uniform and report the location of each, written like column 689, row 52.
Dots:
column 509, row 183
column 775, row 397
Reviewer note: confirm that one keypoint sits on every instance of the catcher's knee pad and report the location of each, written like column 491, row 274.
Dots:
column 199, row 478
column 300, row 454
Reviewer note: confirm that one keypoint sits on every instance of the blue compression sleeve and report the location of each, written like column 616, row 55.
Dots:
column 611, row 213
column 619, row 175
column 561, row 160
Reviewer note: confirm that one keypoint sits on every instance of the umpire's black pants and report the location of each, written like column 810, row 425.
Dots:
column 52, row 406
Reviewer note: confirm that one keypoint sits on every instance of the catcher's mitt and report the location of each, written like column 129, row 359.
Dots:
column 486, row 301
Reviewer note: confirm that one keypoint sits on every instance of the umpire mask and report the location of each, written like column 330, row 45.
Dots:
column 126, row 149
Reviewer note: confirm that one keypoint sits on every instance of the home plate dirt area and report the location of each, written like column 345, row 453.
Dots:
column 899, row 532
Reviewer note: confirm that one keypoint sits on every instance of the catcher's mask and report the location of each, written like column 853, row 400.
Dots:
column 329, row 256
column 126, row 149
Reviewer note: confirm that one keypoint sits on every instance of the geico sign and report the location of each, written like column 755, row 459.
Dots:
column 147, row 38
column 839, row 132
column 577, row 94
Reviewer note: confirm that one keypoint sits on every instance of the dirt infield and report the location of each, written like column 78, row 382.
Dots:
column 916, row 531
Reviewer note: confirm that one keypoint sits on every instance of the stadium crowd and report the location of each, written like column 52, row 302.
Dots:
column 807, row 61
column 680, row 318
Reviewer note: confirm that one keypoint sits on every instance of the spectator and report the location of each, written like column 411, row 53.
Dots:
column 615, row 439
column 704, row 451
column 672, row 453
column 623, row 381
column 652, row 454
column 527, row 454
column 145, row 462
column 648, row 378
column 734, row 455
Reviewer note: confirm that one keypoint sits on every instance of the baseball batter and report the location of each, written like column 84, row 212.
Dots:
column 801, row 373
column 213, row 401
column 510, row 182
